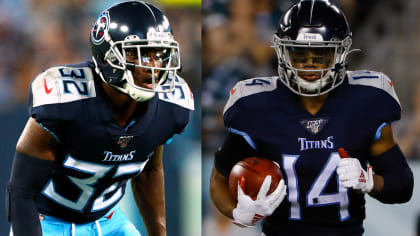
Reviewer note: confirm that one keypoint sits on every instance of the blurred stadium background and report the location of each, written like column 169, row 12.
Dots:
column 237, row 35
column 38, row 34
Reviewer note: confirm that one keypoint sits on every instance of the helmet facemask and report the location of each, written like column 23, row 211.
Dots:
column 328, row 59
column 158, row 56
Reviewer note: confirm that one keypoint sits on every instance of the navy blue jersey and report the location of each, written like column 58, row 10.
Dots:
column 271, row 120
column 96, row 155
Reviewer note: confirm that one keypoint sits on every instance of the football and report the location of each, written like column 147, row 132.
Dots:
column 254, row 170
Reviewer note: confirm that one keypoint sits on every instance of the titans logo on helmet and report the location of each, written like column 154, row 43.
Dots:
column 98, row 30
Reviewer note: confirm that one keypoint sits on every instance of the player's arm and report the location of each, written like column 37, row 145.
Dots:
column 32, row 167
column 234, row 149
column 245, row 211
column 393, row 178
column 220, row 194
column 242, row 209
column 149, row 193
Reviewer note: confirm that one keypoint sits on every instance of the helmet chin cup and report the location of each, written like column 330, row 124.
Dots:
column 316, row 87
column 328, row 80
column 138, row 95
column 135, row 94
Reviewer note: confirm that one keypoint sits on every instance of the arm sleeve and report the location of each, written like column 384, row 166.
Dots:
column 234, row 149
column 398, row 177
column 28, row 176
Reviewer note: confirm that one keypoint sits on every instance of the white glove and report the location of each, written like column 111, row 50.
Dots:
column 248, row 211
column 352, row 175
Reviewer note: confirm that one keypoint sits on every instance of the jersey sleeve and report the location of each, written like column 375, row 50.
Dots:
column 240, row 117
column 51, row 92
column 389, row 104
column 181, row 100
column 384, row 104
column 240, row 106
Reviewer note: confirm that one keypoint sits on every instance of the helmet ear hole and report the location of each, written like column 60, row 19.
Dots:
column 110, row 56
column 113, row 74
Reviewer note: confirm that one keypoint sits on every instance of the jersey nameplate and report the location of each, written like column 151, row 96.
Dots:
column 63, row 85
column 181, row 96
column 248, row 87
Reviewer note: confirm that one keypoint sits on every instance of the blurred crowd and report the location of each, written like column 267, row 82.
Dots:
column 38, row 34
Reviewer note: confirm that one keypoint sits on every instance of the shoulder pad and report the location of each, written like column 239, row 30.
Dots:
column 250, row 86
column 374, row 79
column 181, row 96
column 62, row 84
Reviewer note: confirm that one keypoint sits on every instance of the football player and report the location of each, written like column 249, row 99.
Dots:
column 301, row 119
column 95, row 125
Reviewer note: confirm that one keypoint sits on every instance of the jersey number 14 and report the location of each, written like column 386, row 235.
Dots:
column 315, row 196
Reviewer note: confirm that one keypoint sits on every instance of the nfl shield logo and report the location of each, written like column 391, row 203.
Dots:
column 124, row 140
column 314, row 125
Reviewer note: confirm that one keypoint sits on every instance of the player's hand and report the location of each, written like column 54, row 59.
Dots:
column 352, row 175
column 249, row 211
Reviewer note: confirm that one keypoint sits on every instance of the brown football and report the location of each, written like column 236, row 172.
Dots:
column 254, row 170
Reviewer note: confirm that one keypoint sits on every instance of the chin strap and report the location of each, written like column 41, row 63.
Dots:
column 135, row 94
column 113, row 73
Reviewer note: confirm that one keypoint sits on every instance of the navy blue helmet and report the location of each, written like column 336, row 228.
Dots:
column 319, row 26
column 134, row 29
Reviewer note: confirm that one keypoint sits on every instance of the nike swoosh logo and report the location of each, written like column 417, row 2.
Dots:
column 47, row 90
column 110, row 215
